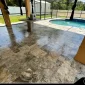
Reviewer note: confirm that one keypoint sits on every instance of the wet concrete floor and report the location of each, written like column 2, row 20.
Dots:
column 64, row 42
column 45, row 50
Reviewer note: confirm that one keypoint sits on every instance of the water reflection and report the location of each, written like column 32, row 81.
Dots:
column 12, row 37
column 14, row 44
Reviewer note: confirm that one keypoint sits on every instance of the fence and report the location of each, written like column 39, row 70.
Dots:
column 42, row 10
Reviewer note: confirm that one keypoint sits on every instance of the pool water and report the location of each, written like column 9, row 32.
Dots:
column 79, row 23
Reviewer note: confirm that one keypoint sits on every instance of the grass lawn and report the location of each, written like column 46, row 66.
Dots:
column 16, row 18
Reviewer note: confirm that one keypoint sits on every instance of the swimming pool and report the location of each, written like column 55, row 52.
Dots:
column 79, row 23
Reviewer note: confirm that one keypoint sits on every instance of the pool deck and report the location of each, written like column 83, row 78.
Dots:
column 49, row 51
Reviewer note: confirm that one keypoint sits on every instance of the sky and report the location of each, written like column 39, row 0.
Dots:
column 82, row 0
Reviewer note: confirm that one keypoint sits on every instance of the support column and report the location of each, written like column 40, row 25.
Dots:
column 80, row 57
column 5, row 16
column 27, row 6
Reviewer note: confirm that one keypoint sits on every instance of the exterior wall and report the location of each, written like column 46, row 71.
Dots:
column 16, row 10
column 37, row 8
column 0, row 11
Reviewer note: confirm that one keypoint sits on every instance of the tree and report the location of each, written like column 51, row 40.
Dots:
column 80, row 6
column 14, row 3
column 55, row 4
column 73, row 9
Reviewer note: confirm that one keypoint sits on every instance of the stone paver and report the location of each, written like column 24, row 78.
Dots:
column 48, row 51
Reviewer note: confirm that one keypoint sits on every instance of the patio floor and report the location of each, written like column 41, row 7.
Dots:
column 48, row 51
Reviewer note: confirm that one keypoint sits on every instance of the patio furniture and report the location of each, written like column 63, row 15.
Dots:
column 80, row 57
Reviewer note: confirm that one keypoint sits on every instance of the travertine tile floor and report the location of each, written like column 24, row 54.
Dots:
column 49, row 52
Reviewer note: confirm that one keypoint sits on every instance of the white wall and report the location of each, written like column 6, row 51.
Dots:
column 16, row 10
column 37, row 8
column 0, row 11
